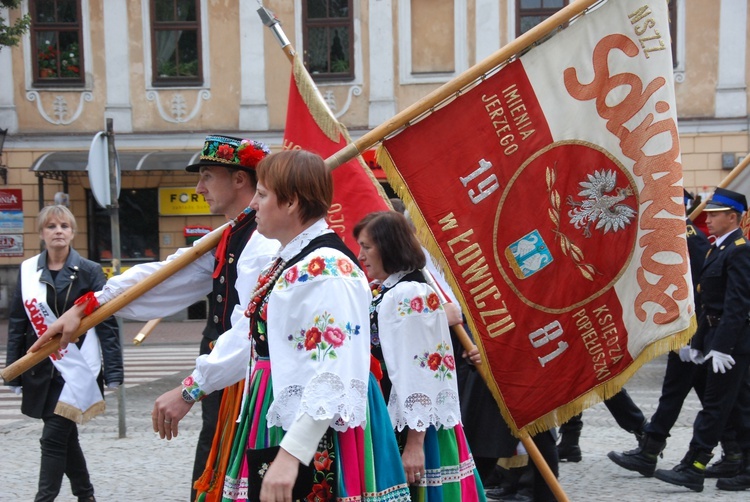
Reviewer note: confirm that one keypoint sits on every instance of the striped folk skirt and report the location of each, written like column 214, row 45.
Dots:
column 450, row 474
column 360, row 464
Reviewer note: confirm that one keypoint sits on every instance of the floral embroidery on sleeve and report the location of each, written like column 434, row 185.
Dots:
column 323, row 337
column 419, row 305
column 318, row 266
column 441, row 362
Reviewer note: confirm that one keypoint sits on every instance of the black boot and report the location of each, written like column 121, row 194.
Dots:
column 690, row 472
column 730, row 463
column 641, row 460
column 741, row 481
column 568, row 449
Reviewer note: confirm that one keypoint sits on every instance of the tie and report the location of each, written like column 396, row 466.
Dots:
column 221, row 251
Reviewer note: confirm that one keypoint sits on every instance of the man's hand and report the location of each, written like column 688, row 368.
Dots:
column 169, row 409
column 684, row 354
column 280, row 477
column 67, row 324
column 697, row 356
column 721, row 362
column 473, row 356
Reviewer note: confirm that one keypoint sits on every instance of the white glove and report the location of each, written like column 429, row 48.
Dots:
column 16, row 390
column 684, row 354
column 721, row 361
column 697, row 356
column 113, row 385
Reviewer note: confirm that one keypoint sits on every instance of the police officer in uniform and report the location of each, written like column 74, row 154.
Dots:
column 723, row 342
column 681, row 376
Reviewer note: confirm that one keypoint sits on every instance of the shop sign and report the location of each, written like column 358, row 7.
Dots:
column 181, row 201
column 11, row 222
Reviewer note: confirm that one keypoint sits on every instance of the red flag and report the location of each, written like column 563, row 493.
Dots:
column 552, row 193
column 311, row 125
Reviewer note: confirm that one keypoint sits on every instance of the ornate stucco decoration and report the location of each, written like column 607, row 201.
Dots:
column 60, row 110
column 178, row 107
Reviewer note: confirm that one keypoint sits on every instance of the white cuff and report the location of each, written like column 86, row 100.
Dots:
column 302, row 438
column 104, row 295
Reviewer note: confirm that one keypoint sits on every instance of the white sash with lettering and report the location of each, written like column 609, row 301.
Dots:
column 81, row 399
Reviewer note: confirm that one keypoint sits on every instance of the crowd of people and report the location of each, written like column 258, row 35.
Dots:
column 333, row 375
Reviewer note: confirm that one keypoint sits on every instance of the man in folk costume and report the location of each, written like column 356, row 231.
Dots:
column 723, row 341
column 227, row 182
column 65, row 389
column 313, row 421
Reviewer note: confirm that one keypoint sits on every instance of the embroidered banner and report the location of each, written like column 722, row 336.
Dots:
column 552, row 192
column 310, row 125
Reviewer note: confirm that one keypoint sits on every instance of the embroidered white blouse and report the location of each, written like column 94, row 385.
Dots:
column 319, row 337
column 415, row 339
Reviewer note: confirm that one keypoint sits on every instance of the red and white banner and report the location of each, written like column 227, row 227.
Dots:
column 552, row 192
column 311, row 125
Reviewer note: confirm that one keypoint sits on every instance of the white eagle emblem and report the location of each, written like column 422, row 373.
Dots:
column 607, row 211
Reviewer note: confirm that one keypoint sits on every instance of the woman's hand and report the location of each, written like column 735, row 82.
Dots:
column 169, row 409
column 67, row 324
column 413, row 456
column 280, row 477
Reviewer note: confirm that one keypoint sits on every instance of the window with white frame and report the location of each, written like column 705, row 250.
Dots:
column 328, row 39
column 176, row 43
column 56, row 42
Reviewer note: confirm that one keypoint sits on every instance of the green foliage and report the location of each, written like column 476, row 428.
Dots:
column 11, row 35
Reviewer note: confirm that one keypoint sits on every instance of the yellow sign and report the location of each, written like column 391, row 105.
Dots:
column 109, row 272
column 181, row 201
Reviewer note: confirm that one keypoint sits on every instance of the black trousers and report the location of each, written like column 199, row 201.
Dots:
column 726, row 400
column 626, row 413
column 545, row 442
column 210, row 415
column 61, row 456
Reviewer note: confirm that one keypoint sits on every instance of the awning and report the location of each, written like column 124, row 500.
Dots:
column 172, row 160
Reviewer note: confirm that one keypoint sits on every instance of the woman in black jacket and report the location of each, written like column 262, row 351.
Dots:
column 48, row 285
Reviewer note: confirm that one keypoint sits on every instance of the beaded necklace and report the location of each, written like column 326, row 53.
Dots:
column 265, row 281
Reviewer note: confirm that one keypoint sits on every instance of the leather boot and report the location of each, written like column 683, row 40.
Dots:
column 690, row 472
column 741, row 481
column 570, row 432
column 641, row 460
column 568, row 449
column 730, row 463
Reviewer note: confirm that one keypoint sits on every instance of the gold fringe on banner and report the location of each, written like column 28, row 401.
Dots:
column 321, row 114
column 315, row 103
column 560, row 415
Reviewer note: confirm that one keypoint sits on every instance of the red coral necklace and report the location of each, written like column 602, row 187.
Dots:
column 265, row 281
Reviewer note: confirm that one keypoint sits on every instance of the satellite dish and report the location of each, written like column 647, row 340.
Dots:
column 98, row 169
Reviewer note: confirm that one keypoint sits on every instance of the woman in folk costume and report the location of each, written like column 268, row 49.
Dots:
column 313, row 424
column 65, row 389
column 410, row 329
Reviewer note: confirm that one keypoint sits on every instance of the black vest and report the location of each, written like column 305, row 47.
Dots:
column 225, row 296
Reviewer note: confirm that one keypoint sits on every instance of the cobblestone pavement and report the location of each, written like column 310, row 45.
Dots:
column 141, row 467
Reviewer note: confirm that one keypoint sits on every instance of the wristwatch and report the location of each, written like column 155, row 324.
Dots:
column 187, row 396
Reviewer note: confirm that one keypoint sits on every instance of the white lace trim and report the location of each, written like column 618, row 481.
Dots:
column 325, row 397
column 418, row 411
column 297, row 244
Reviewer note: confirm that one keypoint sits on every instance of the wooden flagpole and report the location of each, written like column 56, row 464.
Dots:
column 448, row 89
column 31, row 359
column 146, row 331
column 724, row 183
column 353, row 149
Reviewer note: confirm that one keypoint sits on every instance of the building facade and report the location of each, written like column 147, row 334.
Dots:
column 168, row 72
